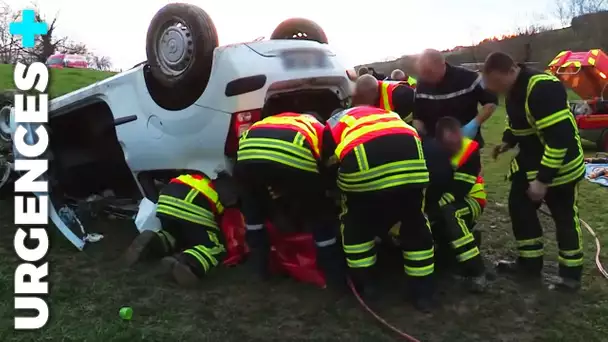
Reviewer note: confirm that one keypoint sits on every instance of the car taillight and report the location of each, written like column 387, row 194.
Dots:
column 240, row 122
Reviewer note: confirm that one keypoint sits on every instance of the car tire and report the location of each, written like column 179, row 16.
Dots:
column 180, row 42
column 602, row 142
column 300, row 28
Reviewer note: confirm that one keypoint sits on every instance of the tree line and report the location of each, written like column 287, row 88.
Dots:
column 45, row 46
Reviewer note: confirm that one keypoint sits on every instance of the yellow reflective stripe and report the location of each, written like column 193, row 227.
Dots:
column 471, row 253
column 203, row 186
column 468, row 238
column 419, row 271
column 446, row 198
column 573, row 252
column 553, row 119
column 354, row 123
column 279, row 158
column 556, row 153
column 385, row 99
column 531, row 254
column 277, row 144
column 300, row 122
column 475, row 206
column 529, row 242
column 182, row 204
column 198, row 257
column 523, row 132
column 204, row 251
column 552, row 163
column 459, row 176
column 359, row 248
column 419, row 255
column 171, row 211
column 298, row 140
column 360, row 263
column 466, row 142
column 460, row 213
column 409, row 118
column 386, row 125
column 361, row 157
column 398, row 166
column 570, row 262
column 386, row 182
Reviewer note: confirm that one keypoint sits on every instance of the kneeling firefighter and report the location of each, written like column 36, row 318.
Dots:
column 278, row 170
column 190, row 242
column 380, row 168
column 461, row 202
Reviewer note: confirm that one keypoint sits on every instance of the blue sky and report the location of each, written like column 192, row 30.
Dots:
column 359, row 32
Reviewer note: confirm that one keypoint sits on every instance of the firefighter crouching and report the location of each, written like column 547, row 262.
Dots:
column 548, row 167
column 380, row 169
column 278, row 170
column 390, row 96
column 462, row 201
column 190, row 241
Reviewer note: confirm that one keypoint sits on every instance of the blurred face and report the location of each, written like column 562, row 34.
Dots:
column 498, row 82
column 452, row 141
column 430, row 72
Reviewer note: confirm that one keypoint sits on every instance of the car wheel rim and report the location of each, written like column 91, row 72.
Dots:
column 5, row 124
column 175, row 49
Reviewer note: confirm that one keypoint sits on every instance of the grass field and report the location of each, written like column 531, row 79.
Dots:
column 61, row 81
column 88, row 288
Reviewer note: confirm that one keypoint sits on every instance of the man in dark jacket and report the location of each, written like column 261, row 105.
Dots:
column 446, row 90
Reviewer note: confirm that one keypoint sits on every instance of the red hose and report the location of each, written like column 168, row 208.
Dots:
column 404, row 335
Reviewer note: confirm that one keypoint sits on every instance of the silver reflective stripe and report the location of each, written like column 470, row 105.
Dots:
column 254, row 226
column 334, row 119
column 450, row 95
column 326, row 243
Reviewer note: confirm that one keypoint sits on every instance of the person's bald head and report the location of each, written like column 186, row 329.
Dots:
column 431, row 66
column 366, row 91
column 398, row 75
column 362, row 71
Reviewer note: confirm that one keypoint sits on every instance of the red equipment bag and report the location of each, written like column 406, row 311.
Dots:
column 293, row 254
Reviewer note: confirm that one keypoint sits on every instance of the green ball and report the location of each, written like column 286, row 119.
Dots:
column 126, row 313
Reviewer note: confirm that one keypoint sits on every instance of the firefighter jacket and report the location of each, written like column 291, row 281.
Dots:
column 397, row 97
column 541, row 125
column 191, row 198
column 291, row 139
column 466, row 184
column 347, row 132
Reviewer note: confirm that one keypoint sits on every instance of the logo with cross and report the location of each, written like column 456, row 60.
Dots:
column 28, row 28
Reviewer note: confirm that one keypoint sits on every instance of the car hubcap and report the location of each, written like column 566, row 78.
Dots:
column 174, row 49
column 5, row 124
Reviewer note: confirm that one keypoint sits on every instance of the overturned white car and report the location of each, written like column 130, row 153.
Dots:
column 117, row 141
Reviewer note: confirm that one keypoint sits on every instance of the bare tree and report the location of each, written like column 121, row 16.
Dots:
column 45, row 45
column 101, row 62
column 566, row 10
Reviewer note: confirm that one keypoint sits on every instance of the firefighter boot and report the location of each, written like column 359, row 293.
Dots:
column 527, row 269
column 180, row 271
column 330, row 260
column 259, row 255
column 422, row 293
column 362, row 280
column 141, row 247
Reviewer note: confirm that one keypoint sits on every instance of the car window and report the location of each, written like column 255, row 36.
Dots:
column 54, row 60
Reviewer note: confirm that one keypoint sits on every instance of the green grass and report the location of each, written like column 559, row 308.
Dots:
column 62, row 81
column 88, row 288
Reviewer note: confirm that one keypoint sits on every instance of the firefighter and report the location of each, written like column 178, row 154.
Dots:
column 400, row 76
column 462, row 200
column 390, row 96
column 278, row 169
column 190, row 242
column 379, row 165
column 547, row 168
